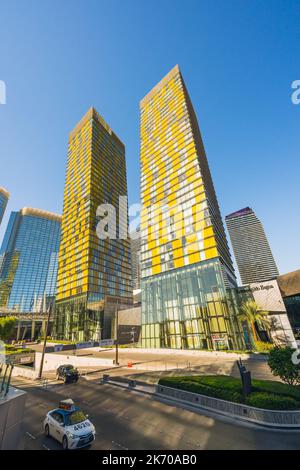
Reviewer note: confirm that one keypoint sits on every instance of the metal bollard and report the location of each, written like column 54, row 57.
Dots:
column 132, row 383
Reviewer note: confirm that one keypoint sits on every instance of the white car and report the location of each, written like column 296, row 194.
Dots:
column 70, row 426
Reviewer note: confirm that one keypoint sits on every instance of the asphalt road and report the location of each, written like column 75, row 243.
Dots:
column 128, row 420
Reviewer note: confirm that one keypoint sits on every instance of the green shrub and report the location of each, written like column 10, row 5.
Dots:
column 263, row 347
column 196, row 385
column 265, row 394
column 270, row 401
column 281, row 365
column 7, row 326
column 278, row 388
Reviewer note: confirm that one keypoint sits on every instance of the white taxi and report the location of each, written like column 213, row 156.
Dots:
column 69, row 425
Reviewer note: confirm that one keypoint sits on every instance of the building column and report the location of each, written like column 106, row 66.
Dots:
column 33, row 329
column 43, row 330
column 18, row 330
column 25, row 331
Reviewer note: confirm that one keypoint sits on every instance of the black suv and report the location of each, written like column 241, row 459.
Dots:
column 67, row 373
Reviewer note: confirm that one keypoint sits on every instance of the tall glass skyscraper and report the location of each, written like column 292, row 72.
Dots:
column 4, row 196
column 136, row 260
column 94, row 274
column 29, row 256
column 251, row 247
column 186, row 266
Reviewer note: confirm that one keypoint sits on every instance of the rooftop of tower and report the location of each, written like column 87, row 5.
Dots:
column 173, row 72
column 40, row 213
column 4, row 192
column 240, row 213
column 92, row 113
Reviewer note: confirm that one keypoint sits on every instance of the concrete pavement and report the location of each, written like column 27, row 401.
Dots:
column 155, row 363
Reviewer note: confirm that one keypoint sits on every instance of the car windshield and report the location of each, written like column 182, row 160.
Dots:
column 76, row 417
column 70, row 369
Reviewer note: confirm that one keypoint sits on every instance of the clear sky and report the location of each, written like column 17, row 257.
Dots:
column 238, row 59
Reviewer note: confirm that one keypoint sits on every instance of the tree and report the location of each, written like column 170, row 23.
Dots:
column 281, row 364
column 251, row 313
column 7, row 325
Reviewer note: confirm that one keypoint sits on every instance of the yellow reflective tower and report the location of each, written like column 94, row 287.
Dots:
column 186, row 267
column 94, row 274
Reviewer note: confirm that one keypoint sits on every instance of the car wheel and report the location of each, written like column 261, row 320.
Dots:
column 65, row 443
column 47, row 430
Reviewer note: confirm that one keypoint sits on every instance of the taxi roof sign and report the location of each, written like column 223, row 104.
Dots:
column 67, row 404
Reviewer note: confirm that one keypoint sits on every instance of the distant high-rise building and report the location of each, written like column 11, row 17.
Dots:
column 185, row 260
column 251, row 247
column 29, row 256
column 4, row 196
column 136, row 260
column 94, row 275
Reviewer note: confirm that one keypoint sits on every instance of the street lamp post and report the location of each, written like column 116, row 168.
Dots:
column 45, row 342
column 116, row 333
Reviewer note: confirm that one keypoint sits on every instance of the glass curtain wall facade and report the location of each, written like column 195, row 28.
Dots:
column 4, row 196
column 251, row 247
column 186, row 267
column 29, row 255
column 93, row 274
column 136, row 260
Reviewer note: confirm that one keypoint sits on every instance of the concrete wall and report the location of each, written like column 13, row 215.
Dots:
column 281, row 419
column 26, row 372
column 11, row 419
column 53, row 361
column 189, row 352
column 130, row 316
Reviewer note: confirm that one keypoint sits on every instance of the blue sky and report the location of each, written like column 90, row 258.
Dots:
column 238, row 59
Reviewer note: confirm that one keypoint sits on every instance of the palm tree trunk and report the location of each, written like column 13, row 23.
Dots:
column 254, row 332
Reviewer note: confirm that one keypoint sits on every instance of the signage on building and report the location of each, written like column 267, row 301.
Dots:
column 88, row 344
column 129, row 334
column 107, row 342
column 268, row 297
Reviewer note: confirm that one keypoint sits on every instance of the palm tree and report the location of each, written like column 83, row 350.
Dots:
column 251, row 313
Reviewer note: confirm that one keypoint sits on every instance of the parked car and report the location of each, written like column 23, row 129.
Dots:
column 67, row 373
column 69, row 425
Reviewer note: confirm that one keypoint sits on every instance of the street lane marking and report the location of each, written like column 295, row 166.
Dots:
column 45, row 447
column 30, row 435
column 119, row 445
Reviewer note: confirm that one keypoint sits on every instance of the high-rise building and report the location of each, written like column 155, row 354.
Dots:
column 186, row 266
column 94, row 274
column 136, row 260
column 29, row 256
column 251, row 247
column 4, row 196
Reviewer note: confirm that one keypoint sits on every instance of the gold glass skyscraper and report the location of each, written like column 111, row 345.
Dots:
column 186, row 265
column 93, row 274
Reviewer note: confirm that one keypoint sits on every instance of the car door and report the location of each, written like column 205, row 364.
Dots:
column 57, row 426
column 52, row 421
